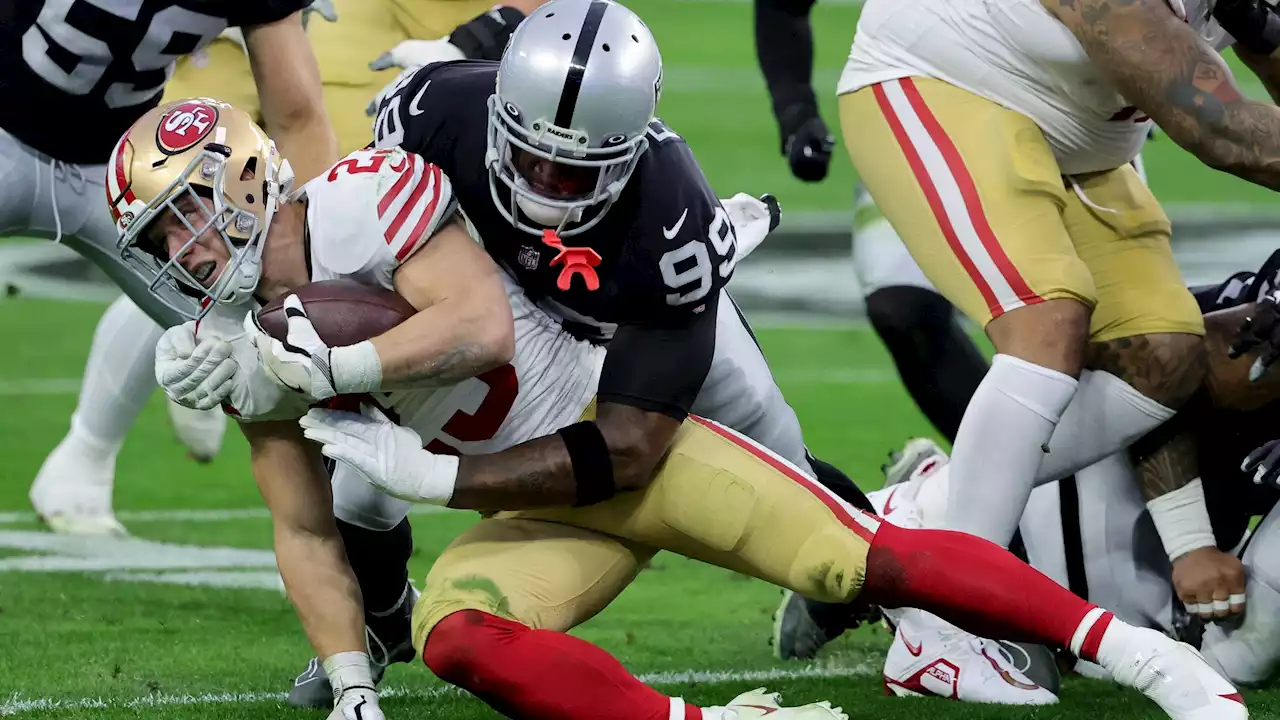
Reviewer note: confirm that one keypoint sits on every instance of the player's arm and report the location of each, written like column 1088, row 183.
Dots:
column 463, row 326
column 784, row 47
column 1160, row 65
column 288, row 81
column 650, row 378
column 309, row 551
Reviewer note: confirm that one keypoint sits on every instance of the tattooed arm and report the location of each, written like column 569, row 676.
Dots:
column 463, row 326
column 1160, row 65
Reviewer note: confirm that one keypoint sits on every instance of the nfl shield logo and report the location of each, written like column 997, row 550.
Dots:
column 529, row 257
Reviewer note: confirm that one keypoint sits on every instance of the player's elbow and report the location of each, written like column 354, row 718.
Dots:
column 637, row 441
column 494, row 335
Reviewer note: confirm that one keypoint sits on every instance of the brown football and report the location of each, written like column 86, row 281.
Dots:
column 344, row 312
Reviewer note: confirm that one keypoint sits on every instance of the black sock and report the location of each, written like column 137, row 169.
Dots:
column 380, row 561
column 837, row 482
column 939, row 364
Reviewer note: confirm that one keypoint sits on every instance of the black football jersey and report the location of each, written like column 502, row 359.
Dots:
column 75, row 74
column 666, row 247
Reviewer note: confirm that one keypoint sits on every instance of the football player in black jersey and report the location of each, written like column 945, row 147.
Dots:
column 75, row 74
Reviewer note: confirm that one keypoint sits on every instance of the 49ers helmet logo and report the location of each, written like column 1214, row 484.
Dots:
column 185, row 125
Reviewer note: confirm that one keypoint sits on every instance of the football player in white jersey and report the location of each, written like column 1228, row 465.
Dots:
column 999, row 151
column 209, row 221
column 98, row 66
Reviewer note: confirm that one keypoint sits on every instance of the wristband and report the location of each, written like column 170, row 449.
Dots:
column 356, row 368
column 1182, row 520
column 592, row 467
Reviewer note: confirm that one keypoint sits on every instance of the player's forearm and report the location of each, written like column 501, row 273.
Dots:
column 784, row 47
column 541, row 472
column 1169, row 478
column 446, row 344
column 1160, row 65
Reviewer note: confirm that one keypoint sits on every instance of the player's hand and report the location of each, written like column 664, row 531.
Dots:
column 410, row 54
column 1210, row 583
column 389, row 456
column 197, row 375
column 1261, row 329
column 808, row 149
column 323, row 8
column 302, row 361
column 1264, row 464
column 357, row 703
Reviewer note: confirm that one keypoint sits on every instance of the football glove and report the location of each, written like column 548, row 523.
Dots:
column 300, row 362
column 410, row 54
column 323, row 8
column 196, row 375
column 389, row 456
column 807, row 143
column 1261, row 329
column 1264, row 464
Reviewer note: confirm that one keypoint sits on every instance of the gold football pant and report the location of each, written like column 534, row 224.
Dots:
column 717, row 497
column 975, row 193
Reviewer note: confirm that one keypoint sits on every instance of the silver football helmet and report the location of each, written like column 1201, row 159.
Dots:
column 577, row 88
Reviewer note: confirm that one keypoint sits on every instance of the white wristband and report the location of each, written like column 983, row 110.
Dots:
column 1182, row 520
column 356, row 368
column 347, row 670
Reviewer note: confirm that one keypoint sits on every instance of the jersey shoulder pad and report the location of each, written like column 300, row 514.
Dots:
column 428, row 106
column 372, row 210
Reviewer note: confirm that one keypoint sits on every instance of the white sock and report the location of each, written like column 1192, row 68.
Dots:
column 1000, row 445
column 1106, row 415
column 119, row 377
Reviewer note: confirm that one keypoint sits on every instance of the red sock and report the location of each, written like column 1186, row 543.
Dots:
column 540, row 674
column 980, row 587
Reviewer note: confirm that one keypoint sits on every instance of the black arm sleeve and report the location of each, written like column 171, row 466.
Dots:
column 784, row 47
column 660, row 369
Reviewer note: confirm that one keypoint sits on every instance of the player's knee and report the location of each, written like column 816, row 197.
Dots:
column 1166, row 367
column 1052, row 334
column 453, row 644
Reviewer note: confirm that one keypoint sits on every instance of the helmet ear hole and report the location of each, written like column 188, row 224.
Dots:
column 250, row 170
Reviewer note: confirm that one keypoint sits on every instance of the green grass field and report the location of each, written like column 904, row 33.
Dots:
column 119, row 632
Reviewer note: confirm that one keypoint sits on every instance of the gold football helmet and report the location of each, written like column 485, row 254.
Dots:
column 211, row 152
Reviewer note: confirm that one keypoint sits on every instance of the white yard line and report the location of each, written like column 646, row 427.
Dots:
column 198, row 516
column 17, row 704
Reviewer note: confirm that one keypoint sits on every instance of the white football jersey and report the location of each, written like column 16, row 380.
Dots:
column 368, row 214
column 1014, row 53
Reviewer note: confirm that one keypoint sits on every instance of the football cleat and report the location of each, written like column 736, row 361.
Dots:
column 797, row 635
column 390, row 640
column 932, row 657
column 72, row 492
column 760, row 703
column 913, row 456
column 199, row 431
column 1172, row 674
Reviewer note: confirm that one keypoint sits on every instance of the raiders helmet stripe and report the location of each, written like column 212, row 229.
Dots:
column 578, row 65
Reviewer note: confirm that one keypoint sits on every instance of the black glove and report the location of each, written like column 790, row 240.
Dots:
column 1261, row 329
column 485, row 36
column 1264, row 464
column 807, row 143
column 1252, row 23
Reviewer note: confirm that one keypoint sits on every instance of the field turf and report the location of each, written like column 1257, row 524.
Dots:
column 150, row 628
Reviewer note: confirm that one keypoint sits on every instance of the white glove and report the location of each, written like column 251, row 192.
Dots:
column 409, row 54
column 323, row 8
column 196, row 375
column 389, row 456
column 305, row 364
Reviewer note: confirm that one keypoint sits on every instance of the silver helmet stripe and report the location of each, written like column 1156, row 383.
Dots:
column 578, row 64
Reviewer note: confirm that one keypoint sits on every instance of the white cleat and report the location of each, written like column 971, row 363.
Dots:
column 932, row 657
column 760, row 703
column 72, row 493
column 1172, row 674
column 200, row 431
